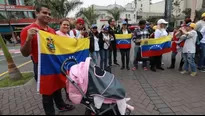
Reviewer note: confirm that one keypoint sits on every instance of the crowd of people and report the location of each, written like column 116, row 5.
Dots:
column 188, row 39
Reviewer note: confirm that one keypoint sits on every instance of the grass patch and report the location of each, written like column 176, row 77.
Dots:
column 6, row 82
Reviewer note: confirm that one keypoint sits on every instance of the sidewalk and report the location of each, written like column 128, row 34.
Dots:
column 161, row 93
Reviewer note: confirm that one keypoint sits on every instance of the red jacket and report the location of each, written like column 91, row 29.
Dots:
column 174, row 44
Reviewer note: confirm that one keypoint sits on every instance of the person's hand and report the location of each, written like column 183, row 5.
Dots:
column 138, row 41
column 31, row 33
column 82, row 32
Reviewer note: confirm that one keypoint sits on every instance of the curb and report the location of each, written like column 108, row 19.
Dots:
column 26, row 84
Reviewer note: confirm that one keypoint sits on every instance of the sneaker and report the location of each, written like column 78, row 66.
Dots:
column 66, row 108
column 122, row 67
column 202, row 70
column 134, row 69
column 153, row 69
column 193, row 74
column 145, row 69
column 140, row 62
column 180, row 69
column 171, row 67
column 162, row 63
column 116, row 63
column 160, row 68
column 128, row 68
column 184, row 72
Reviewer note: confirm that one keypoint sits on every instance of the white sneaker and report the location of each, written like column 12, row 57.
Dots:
column 140, row 62
column 183, row 72
column 162, row 63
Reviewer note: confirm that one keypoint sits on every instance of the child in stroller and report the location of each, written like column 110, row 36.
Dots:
column 98, row 90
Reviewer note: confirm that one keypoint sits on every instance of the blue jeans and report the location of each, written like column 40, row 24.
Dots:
column 137, row 57
column 202, row 55
column 189, row 61
column 95, row 55
column 104, row 58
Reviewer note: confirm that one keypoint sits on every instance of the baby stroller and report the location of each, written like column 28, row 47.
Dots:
column 102, row 95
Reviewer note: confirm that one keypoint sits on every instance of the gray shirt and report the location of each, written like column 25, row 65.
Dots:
column 199, row 25
column 190, row 42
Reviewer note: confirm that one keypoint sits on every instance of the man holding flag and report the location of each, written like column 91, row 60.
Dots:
column 139, row 35
column 29, row 46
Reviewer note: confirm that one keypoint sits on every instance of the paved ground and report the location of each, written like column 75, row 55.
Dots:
column 161, row 93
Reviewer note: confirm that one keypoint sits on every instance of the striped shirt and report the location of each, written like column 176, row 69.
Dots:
column 140, row 34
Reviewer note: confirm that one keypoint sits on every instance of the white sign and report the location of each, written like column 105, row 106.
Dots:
column 7, row 7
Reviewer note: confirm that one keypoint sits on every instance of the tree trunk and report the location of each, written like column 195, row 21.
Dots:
column 14, row 72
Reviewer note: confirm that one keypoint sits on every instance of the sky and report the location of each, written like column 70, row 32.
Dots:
column 87, row 3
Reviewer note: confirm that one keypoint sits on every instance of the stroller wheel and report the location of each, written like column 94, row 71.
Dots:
column 88, row 112
column 128, row 112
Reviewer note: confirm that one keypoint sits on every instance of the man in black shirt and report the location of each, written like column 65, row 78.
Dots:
column 112, row 31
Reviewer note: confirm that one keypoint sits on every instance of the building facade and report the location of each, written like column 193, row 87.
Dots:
column 146, row 9
column 191, row 4
column 104, row 16
column 134, row 11
column 17, row 13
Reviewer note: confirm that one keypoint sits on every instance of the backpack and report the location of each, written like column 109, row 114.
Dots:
column 199, row 38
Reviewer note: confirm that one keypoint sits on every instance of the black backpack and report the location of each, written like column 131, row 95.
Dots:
column 199, row 38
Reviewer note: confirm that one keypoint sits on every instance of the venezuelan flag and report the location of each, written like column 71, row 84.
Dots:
column 123, row 41
column 155, row 47
column 53, row 51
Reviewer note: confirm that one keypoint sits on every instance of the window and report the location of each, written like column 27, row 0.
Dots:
column 18, row 14
column 134, row 16
column 128, row 16
column 12, row 2
column 102, row 16
column 141, row 5
column 139, row 17
column 2, row 14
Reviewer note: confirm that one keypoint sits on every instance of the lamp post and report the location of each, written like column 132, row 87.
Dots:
column 168, row 9
column 193, row 8
column 8, row 18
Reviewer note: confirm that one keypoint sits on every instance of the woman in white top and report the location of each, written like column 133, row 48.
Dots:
column 156, row 61
column 94, row 43
column 104, row 44
column 64, row 28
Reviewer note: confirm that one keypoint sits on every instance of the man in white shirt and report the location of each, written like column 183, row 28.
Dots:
column 189, row 48
column 201, row 65
column 78, row 31
column 200, row 24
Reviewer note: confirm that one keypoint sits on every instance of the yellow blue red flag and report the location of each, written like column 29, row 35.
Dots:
column 123, row 41
column 155, row 47
column 53, row 50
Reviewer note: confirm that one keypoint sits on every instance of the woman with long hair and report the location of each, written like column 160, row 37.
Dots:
column 125, row 53
column 94, row 43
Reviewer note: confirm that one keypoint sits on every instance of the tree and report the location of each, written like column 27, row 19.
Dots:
column 176, row 11
column 89, row 14
column 198, row 13
column 59, row 8
column 14, row 72
column 187, row 12
column 115, row 12
column 8, row 19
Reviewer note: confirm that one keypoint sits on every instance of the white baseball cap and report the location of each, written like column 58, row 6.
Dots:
column 161, row 21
